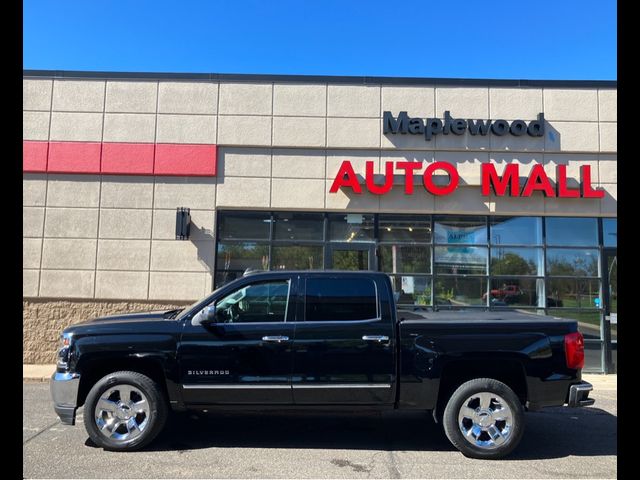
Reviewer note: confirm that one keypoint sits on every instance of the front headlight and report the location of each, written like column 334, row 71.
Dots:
column 64, row 348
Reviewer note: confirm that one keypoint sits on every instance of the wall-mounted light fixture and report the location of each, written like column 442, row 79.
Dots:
column 183, row 223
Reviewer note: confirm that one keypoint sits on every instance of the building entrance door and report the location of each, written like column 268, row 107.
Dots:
column 351, row 257
column 610, row 290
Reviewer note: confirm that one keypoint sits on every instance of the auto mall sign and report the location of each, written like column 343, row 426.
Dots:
column 506, row 183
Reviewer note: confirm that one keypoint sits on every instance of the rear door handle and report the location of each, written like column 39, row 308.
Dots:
column 275, row 339
column 375, row 338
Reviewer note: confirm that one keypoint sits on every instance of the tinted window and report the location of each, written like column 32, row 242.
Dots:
column 610, row 232
column 246, row 226
column 460, row 230
column 516, row 230
column 351, row 227
column 571, row 231
column 405, row 228
column 298, row 226
column 332, row 298
column 257, row 302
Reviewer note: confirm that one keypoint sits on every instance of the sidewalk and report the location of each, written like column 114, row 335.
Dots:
column 42, row 373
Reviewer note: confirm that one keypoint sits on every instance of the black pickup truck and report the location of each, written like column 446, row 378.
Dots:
column 318, row 340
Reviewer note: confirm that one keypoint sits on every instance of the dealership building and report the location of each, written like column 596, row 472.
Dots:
column 149, row 190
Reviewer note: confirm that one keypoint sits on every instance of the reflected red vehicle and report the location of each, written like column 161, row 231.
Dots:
column 504, row 292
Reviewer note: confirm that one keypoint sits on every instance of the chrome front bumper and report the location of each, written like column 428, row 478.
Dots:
column 64, row 392
column 579, row 395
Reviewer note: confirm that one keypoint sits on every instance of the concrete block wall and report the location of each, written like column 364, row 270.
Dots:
column 94, row 237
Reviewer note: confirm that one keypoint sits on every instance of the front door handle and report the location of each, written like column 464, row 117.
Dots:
column 275, row 339
column 375, row 338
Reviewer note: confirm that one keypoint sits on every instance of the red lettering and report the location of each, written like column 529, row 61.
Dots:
column 562, row 190
column 408, row 168
column 388, row 178
column 427, row 179
column 587, row 190
column 538, row 180
column 346, row 169
column 491, row 181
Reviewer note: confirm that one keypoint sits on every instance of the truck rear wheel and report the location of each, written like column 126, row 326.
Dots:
column 124, row 411
column 484, row 419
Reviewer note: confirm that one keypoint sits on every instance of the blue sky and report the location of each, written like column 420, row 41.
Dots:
column 532, row 39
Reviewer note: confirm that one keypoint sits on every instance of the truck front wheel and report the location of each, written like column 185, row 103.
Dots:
column 484, row 419
column 124, row 411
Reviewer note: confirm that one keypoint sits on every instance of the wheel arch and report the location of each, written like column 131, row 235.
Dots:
column 95, row 369
column 511, row 372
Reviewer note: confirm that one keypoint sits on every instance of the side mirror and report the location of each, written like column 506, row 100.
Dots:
column 205, row 316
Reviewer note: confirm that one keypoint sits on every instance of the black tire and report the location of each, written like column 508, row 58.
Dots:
column 157, row 410
column 468, row 447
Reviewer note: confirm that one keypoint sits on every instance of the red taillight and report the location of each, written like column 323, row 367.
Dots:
column 574, row 350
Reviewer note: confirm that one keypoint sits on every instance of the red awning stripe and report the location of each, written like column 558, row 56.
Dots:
column 110, row 158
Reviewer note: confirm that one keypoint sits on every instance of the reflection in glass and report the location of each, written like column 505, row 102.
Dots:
column 298, row 226
column 460, row 229
column 244, row 225
column 458, row 291
column 573, row 293
column 572, row 231
column 405, row 228
column 610, row 232
column 234, row 258
column 411, row 289
column 350, row 259
column 296, row 257
column 516, row 261
column 461, row 260
column 516, row 230
column 572, row 262
column 588, row 322
column 405, row 258
column 351, row 227
column 517, row 292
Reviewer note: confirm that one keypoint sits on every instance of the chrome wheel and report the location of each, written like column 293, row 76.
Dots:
column 485, row 420
column 122, row 413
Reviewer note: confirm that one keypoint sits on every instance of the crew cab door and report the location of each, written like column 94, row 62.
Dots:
column 344, row 344
column 245, row 356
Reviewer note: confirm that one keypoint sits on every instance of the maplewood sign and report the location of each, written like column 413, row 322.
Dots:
column 505, row 184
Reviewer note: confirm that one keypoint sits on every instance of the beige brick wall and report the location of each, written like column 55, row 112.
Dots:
column 44, row 319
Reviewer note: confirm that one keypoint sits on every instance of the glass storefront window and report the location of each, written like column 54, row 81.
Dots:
column 456, row 291
column 572, row 262
column 572, row 231
column 461, row 260
column 404, row 228
column 411, row 289
column 573, row 293
column 234, row 258
column 460, row 229
column 351, row 227
column 517, row 292
column 610, row 232
column 516, row 230
column 244, row 226
column 405, row 258
column 298, row 226
column 296, row 257
column 516, row 261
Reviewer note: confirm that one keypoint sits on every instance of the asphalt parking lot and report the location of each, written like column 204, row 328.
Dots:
column 558, row 443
